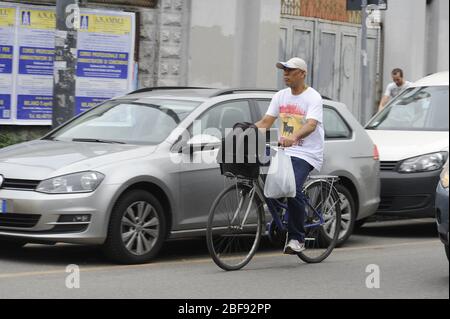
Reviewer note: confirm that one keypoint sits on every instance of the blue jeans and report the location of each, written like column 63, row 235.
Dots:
column 296, row 205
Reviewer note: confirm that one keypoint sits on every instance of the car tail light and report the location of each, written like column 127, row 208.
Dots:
column 376, row 154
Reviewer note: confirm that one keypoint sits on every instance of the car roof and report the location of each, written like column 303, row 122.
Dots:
column 436, row 79
column 190, row 93
column 201, row 94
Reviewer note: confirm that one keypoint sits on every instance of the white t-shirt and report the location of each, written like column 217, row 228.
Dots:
column 293, row 111
column 393, row 90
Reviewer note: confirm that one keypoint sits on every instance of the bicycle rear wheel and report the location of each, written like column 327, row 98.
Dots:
column 322, row 221
column 235, row 225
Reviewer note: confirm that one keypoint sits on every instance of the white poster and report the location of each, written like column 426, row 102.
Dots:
column 105, row 65
column 7, row 36
column 36, row 51
column 105, row 57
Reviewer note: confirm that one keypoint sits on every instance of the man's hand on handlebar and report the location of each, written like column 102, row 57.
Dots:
column 287, row 142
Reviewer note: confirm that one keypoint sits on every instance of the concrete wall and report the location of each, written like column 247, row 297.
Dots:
column 405, row 39
column 233, row 43
column 415, row 38
column 437, row 36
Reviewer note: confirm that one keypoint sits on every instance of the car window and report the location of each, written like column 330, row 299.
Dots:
column 416, row 109
column 263, row 106
column 217, row 119
column 334, row 125
column 128, row 122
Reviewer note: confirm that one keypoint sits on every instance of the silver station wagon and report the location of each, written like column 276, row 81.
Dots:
column 131, row 173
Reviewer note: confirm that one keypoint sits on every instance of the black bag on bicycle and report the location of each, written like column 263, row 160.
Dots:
column 241, row 151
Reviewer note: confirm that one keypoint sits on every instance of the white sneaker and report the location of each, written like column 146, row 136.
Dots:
column 294, row 247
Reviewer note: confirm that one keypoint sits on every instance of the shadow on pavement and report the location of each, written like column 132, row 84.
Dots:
column 415, row 228
column 63, row 255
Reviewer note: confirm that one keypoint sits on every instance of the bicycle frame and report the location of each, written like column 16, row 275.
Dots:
column 275, row 205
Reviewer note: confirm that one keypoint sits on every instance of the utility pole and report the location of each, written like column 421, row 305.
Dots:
column 67, row 23
column 365, row 107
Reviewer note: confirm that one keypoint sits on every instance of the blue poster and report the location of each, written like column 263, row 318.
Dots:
column 105, row 51
column 5, row 106
column 97, row 64
column 36, row 61
column 6, row 62
column 34, row 107
column 85, row 103
column 7, row 34
column 6, row 59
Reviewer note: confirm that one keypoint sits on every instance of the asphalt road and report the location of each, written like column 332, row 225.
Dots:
column 411, row 261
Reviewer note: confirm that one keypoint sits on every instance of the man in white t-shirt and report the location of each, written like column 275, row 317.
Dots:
column 300, row 110
column 394, row 88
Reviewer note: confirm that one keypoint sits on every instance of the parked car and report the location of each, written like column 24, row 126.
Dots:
column 442, row 208
column 126, row 174
column 411, row 133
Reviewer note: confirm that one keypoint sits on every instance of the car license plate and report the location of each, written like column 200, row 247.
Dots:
column 3, row 206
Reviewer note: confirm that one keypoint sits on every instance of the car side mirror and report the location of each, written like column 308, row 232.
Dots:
column 200, row 143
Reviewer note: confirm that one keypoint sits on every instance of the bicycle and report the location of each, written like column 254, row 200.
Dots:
column 237, row 218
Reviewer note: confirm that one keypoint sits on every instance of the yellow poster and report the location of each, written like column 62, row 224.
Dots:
column 7, row 17
column 37, row 19
column 117, row 25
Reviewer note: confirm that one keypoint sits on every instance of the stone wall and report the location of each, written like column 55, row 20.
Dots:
column 162, row 46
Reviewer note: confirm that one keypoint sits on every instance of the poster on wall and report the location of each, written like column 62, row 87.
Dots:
column 36, row 50
column 105, row 65
column 104, row 58
column 7, row 36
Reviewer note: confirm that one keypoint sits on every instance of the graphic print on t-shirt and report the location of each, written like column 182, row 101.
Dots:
column 292, row 119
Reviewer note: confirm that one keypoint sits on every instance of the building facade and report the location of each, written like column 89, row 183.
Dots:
column 233, row 43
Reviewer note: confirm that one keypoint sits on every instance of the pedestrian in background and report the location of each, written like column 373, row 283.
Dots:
column 394, row 88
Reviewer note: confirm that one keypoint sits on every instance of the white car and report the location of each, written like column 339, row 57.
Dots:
column 412, row 138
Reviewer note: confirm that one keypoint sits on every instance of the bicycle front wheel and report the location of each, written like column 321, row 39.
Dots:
column 235, row 225
column 322, row 221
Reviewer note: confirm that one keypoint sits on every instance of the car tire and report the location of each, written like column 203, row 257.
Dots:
column 348, row 214
column 135, row 241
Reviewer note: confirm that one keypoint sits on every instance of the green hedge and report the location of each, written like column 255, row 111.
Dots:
column 7, row 139
column 10, row 135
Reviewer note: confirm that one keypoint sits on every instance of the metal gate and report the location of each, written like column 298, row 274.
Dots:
column 332, row 52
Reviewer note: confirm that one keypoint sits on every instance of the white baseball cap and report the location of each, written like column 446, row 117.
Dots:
column 294, row 63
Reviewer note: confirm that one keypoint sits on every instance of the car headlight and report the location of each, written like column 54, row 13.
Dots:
column 424, row 163
column 444, row 177
column 84, row 182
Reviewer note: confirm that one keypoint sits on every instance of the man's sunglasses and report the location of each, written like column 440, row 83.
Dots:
column 290, row 70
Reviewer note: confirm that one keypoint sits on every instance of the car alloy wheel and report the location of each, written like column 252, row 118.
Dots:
column 140, row 228
column 137, row 228
column 346, row 215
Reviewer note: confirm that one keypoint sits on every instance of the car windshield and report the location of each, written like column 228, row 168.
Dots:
column 416, row 109
column 127, row 122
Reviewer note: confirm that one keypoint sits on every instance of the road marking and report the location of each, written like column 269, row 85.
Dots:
column 197, row 261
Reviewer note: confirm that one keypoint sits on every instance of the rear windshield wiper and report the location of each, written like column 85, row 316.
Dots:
column 96, row 140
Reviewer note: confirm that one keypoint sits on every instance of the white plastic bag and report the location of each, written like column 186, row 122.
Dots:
column 280, row 180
